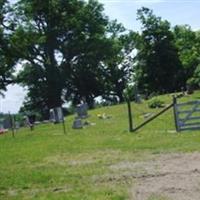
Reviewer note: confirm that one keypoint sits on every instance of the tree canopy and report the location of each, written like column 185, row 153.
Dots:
column 70, row 51
column 158, row 64
column 7, row 56
column 61, row 42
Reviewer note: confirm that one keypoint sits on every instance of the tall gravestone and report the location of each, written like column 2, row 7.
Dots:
column 56, row 115
column 7, row 123
column 81, row 111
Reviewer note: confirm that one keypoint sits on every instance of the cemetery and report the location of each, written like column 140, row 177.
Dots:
column 95, row 158
column 99, row 100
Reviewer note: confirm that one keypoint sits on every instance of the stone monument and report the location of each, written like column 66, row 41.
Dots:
column 81, row 110
column 56, row 115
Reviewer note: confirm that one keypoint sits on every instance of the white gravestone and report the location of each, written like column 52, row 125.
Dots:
column 56, row 115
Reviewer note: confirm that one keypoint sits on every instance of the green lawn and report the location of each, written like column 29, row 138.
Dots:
column 46, row 164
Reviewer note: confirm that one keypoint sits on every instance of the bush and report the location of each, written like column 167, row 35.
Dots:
column 156, row 103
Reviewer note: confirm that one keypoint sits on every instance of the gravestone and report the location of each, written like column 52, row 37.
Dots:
column 31, row 121
column 190, row 89
column 81, row 110
column 77, row 124
column 56, row 115
column 17, row 125
column 7, row 123
column 1, row 124
column 138, row 98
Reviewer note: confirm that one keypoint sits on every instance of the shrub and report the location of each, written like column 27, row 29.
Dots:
column 155, row 103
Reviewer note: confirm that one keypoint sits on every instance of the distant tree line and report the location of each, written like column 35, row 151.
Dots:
column 70, row 50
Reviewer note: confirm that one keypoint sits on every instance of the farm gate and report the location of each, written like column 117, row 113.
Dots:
column 187, row 115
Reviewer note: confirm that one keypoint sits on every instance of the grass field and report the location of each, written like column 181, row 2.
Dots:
column 46, row 164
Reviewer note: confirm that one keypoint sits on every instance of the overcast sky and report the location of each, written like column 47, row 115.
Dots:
column 175, row 11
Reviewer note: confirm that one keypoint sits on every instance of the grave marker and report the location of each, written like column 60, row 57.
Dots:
column 81, row 110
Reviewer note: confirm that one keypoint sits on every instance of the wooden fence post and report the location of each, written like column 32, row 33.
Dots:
column 63, row 124
column 175, row 113
column 129, row 115
column 12, row 126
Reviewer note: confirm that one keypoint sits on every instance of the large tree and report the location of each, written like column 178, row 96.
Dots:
column 91, row 48
column 158, row 67
column 61, row 44
column 7, row 57
column 187, row 42
column 119, row 64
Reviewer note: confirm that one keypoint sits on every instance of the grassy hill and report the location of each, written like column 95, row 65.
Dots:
column 46, row 164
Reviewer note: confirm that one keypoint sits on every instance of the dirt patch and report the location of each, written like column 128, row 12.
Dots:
column 167, row 177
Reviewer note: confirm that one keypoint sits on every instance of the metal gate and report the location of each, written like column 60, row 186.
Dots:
column 187, row 115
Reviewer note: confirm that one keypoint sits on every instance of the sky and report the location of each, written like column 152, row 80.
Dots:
column 175, row 11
